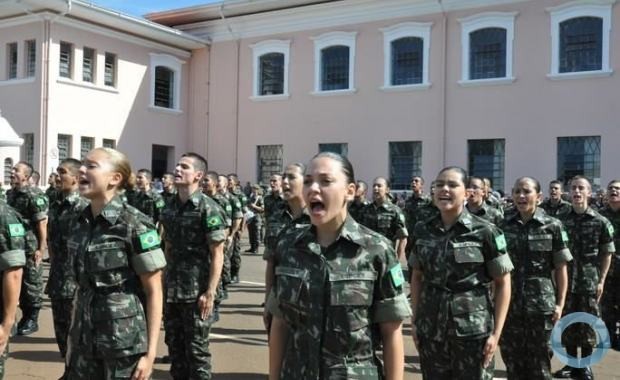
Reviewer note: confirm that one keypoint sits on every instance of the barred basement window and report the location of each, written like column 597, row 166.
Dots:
column 407, row 61
column 487, row 53
column 579, row 155
column 335, row 68
column 11, row 50
column 110, row 70
column 405, row 162
column 88, row 65
column 340, row 148
column 271, row 74
column 486, row 159
column 31, row 58
column 66, row 59
column 164, row 87
column 581, row 44
column 268, row 162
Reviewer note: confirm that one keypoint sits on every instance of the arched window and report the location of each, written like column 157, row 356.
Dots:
column 406, row 48
column 334, row 62
column 335, row 68
column 581, row 44
column 487, row 53
column 271, row 74
column 270, row 70
column 166, row 78
column 407, row 61
column 8, row 166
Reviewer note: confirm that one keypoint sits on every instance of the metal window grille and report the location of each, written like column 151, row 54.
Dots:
column 28, row 147
column 8, row 166
column 109, row 143
column 486, row 159
column 581, row 44
column 110, row 70
column 340, row 148
column 164, row 87
column 64, row 147
column 88, row 65
column 66, row 59
column 271, row 74
column 407, row 61
column 12, row 60
column 268, row 162
column 335, row 68
column 579, row 155
column 405, row 162
column 487, row 53
column 86, row 145
column 31, row 58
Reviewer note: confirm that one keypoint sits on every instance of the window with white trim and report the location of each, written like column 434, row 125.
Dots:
column 64, row 146
column 11, row 54
column 166, row 73
column 580, row 35
column 8, row 168
column 406, row 49
column 487, row 48
column 110, row 69
column 334, row 62
column 66, row 60
column 579, row 155
column 86, row 145
column 88, row 64
column 31, row 58
column 270, row 65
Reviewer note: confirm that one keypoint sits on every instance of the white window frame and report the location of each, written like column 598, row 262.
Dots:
column 266, row 47
column 504, row 20
column 326, row 40
column 407, row 29
column 174, row 64
column 593, row 8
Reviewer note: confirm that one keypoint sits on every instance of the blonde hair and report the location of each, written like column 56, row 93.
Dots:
column 120, row 164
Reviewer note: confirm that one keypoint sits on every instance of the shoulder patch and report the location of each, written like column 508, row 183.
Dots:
column 16, row 230
column 160, row 203
column 564, row 236
column 149, row 239
column 500, row 242
column 214, row 221
column 610, row 229
column 396, row 273
column 40, row 201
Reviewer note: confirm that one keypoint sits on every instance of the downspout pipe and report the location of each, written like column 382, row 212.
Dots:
column 444, row 84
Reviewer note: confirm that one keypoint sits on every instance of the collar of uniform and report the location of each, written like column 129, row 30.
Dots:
column 539, row 216
column 71, row 197
column 195, row 197
column 610, row 211
column 589, row 211
column 112, row 210
column 465, row 220
column 350, row 231
column 385, row 205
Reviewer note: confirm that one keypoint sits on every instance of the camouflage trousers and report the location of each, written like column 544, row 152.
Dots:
column 454, row 358
column 580, row 334
column 254, row 234
column 610, row 303
column 81, row 367
column 31, row 293
column 3, row 357
column 225, row 280
column 187, row 337
column 62, row 310
column 235, row 256
column 525, row 346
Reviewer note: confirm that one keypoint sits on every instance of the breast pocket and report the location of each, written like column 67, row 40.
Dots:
column 119, row 325
column 291, row 284
column 468, row 252
column 351, row 294
column 540, row 243
column 107, row 262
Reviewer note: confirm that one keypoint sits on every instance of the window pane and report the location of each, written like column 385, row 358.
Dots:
column 486, row 159
column 581, row 44
column 109, row 143
column 110, row 70
column 164, row 81
column 11, row 50
column 64, row 147
column 29, row 147
column 271, row 74
column 407, row 61
column 579, row 156
column 31, row 58
column 405, row 162
column 335, row 68
column 66, row 59
column 268, row 162
column 340, row 148
column 487, row 53
column 87, row 144
column 8, row 166
column 88, row 65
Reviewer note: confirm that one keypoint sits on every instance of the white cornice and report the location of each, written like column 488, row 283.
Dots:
column 572, row 4
column 326, row 15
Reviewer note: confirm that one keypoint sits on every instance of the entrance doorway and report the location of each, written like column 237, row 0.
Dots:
column 162, row 161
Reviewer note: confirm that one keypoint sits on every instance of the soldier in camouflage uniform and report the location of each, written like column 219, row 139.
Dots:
column 335, row 280
column 147, row 199
column 32, row 205
column 235, row 258
column 255, row 205
column 52, row 193
column 195, row 233
column 12, row 259
column 590, row 237
column 117, row 256
column 554, row 205
column 413, row 205
column 456, row 257
column 169, row 192
column 385, row 217
column 237, row 220
column 476, row 204
column 356, row 207
column 610, row 304
column 537, row 248
column 489, row 198
column 2, row 193
column 61, row 283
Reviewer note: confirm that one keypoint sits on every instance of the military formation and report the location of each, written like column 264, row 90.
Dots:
column 486, row 272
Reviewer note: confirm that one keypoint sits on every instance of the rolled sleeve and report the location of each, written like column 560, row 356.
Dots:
column 268, row 254
column 12, row 259
column 608, row 248
column 562, row 256
column 273, row 306
column 391, row 309
column 39, row 216
column 401, row 233
column 499, row 266
column 414, row 261
column 149, row 261
column 216, row 236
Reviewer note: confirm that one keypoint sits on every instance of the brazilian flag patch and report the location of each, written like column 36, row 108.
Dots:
column 160, row 204
column 214, row 221
column 149, row 239
column 610, row 228
column 40, row 202
column 500, row 242
column 397, row 275
column 16, row 230
column 564, row 237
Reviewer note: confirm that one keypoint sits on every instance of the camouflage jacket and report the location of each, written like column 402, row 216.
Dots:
column 12, row 242
column 190, row 229
column 412, row 208
column 235, row 204
column 590, row 236
column 356, row 209
column 278, row 224
column 32, row 205
column 488, row 213
column 2, row 193
column 225, row 206
column 495, row 203
column 272, row 204
column 258, row 201
column 556, row 209
column 243, row 200
column 331, row 297
column 614, row 219
column 458, row 266
column 110, row 252
column 52, row 195
column 150, row 203
column 169, row 196
column 61, row 283
column 535, row 248
column 386, row 219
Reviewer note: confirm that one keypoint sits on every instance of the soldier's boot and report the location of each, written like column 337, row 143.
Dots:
column 235, row 279
column 565, row 373
column 586, row 374
column 31, row 325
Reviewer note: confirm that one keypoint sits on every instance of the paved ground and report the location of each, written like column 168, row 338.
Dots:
column 238, row 344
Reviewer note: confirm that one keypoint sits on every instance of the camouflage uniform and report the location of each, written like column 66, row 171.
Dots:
column 455, row 314
column 488, row 213
column 190, row 229
column 61, row 283
column 169, row 196
column 356, row 208
column 150, row 203
column 494, row 202
column 556, row 209
column 226, row 210
column 12, row 243
column 280, row 222
column 52, row 195
column 610, row 304
column 273, row 202
column 236, row 214
column 2, row 193
column 32, row 205
column 109, row 328
column 412, row 211
column 386, row 219
column 235, row 258
column 536, row 248
column 331, row 297
column 255, row 223
column 590, row 238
